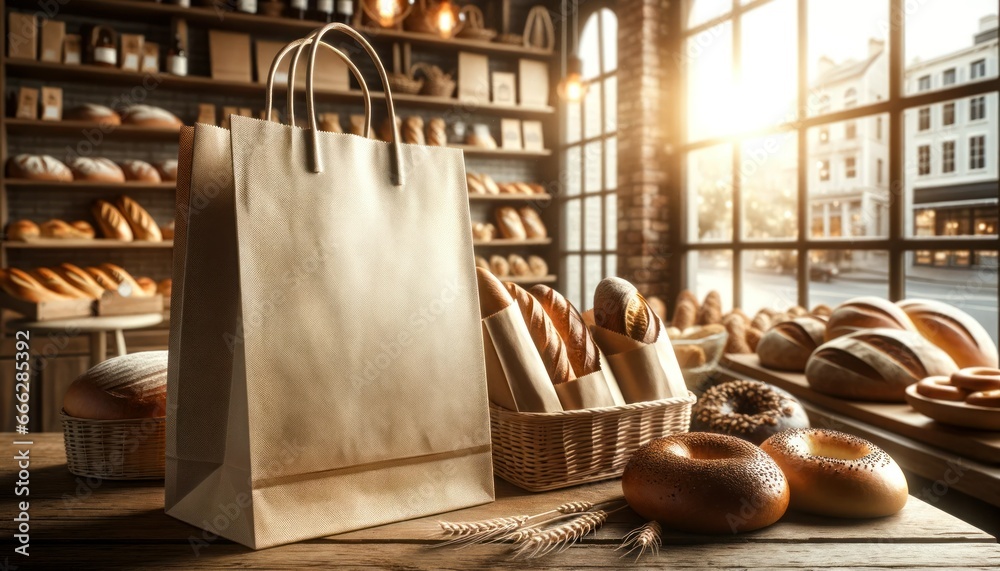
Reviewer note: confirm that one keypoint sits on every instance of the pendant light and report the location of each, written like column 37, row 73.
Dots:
column 445, row 18
column 387, row 13
column 572, row 88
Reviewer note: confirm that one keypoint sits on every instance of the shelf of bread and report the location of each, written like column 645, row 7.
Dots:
column 509, row 197
column 222, row 16
column 49, row 71
column 471, row 151
column 522, row 280
column 508, row 242
column 16, row 183
column 84, row 244
column 36, row 128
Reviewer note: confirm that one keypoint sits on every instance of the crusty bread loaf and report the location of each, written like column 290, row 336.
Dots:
column 518, row 265
column 711, row 309
column 140, row 171
column 80, row 279
column 167, row 169
column 147, row 285
column 96, row 169
column 167, row 230
column 93, row 112
column 142, row 224
column 493, row 296
column 619, row 307
column 533, row 225
column 38, row 167
column 127, row 285
column 958, row 333
column 83, row 229
column 22, row 230
column 413, row 130
column 788, row 345
column 489, row 184
column 165, row 287
column 102, row 278
column 762, row 321
column 543, row 332
column 539, row 267
column 685, row 314
column 23, row 286
column 822, row 310
column 736, row 341
column 437, row 133
column 658, row 307
column 56, row 228
column 499, row 266
column 866, row 313
column 687, row 295
column 484, row 232
column 875, row 364
column 55, row 282
column 754, row 336
column 112, row 222
column 474, row 183
column 690, row 356
column 482, row 263
column 330, row 122
column 130, row 386
column 150, row 116
column 510, row 224
column 580, row 346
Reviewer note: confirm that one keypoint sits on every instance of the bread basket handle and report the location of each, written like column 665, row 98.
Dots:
column 298, row 45
column 317, row 163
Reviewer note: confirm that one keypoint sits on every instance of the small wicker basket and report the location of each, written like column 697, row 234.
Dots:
column 132, row 449
column 541, row 451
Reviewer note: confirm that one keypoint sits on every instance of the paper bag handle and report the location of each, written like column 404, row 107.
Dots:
column 317, row 163
column 298, row 45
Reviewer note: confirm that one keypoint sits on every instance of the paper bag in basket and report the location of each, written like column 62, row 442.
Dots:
column 326, row 367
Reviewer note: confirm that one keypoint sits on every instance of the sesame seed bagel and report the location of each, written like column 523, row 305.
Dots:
column 750, row 410
column 835, row 474
column 698, row 482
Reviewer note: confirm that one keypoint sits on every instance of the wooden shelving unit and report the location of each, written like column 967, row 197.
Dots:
column 504, row 242
column 510, row 197
column 14, row 184
column 75, row 244
column 521, row 280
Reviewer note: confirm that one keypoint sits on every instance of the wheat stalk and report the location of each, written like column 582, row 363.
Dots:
column 561, row 536
column 468, row 532
column 646, row 537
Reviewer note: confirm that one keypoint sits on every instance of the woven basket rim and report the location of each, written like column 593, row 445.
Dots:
column 64, row 416
column 699, row 340
column 587, row 412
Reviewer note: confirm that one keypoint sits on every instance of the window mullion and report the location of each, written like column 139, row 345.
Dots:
column 736, row 261
column 802, row 178
column 897, row 182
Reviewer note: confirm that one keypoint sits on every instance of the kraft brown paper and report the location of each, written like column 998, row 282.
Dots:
column 515, row 375
column 644, row 372
column 609, row 378
column 588, row 391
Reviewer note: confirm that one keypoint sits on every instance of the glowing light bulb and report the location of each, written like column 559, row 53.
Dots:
column 446, row 20
column 386, row 12
column 572, row 88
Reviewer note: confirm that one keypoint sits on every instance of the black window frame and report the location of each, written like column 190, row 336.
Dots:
column 948, row 156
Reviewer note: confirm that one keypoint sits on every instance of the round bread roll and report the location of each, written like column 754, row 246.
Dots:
column 165, row 287
column 510, row 224
column 751, row 410
column 140, row 171
column 147, row 285
column 167, row 169
column 835, row 474
column 96, row 170
column 533, row 225
column 539, row 267
column 788, row 345
column 699, row 482
column 55, row 282
column 822, row 310
column 499, row 266
column 81, row 280
column 518, row 265
column 950, row 328
column 484, row 232
column 866, row 313
column 619, row 307
column 493, row 296
column 150, row 116
column 23, row 230
column 38, row 167
column 875, row 364
column 22, row 285
column 93, row 112
column 126, row 387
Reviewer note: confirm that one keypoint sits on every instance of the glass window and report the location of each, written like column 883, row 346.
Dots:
column 948, row 114
column 850, row 167
column 850, row 130
column 879, row 176
column 977, row 152
column 977, row 69
column 924, row 160
column 977, row 108
column 878, row 128
column 767, row 171
column 924, row 83
column 948, row 156
column 924, row 119
column 824, row 169
column 947, row 43
column 948, row 77
column 710, row 194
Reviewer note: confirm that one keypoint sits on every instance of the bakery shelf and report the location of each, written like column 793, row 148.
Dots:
column 529, row 279
column 75, row 244
column 16, row 183
column 509, row 197
column 89, row 130
column 221, row 17
column 507, row 153
column 506, row 242
column 51, row 71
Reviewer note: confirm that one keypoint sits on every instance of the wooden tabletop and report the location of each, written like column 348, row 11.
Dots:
column 80, row 524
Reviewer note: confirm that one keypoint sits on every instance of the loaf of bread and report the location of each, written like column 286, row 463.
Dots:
column 147, row 285
column 483, row 232
column 493, row 296
column 482, row 263
column 112, row 222
column 437, row 132
column 658, row 307
column 499, row 266
column 481, row 140
column 22, row 230
column 23, row 286
column 96, row 170
column 474, row 183
column 489, row 184
column 38, row 167
column 689, row 296
column 533, row 225
column 580, row 346
column 140, row 171
column 509, row 223
column 685, row 314
column 797, row 311
column 55, row 282
column 754, row 336
column 142, row 224
column 958, row 333
column 167, row 169
column 385, row 129
column 866, row 313
column 81, row 280
column 61, row 229
column 126, row 284
column 736, row 341
column 102, row 278
column 711, row 309
column 93, row 113
column 330, row 122
column 518, row 265
column 165, row 287
column 413, row 130
column 83, row 229
column 822, row 310
column 150, row 116
column 539, row 267
column 788, row 345
column 619, row 307
column 126, row 387
column 875, row 364
column 762, row 321
column 544, row 334
column 690, row 356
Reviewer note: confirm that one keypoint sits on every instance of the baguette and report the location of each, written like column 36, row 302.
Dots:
column 21, row 285
column 81, row 280
column 56, row 228
column 102, row 278
column 736, row 341
column 493, row 296
column 22, row 230
column 580, row 347
column 55, row 282
column 510, row 224
column 124, row 280
column 142, row 224
column 532, row 222
column 112, row 222
column 619, row 307
column 543, row 332
column 685, row 314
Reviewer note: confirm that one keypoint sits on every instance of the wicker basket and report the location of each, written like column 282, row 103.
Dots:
column 543, row 451
column 131, row 449
column 402, row 83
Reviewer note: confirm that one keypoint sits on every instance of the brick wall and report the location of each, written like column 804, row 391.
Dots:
column 643, row 255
